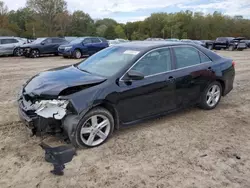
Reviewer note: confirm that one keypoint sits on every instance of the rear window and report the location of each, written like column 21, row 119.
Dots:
column 221, row 39
column 96, row 40
column 103, row 39
column 57, row 40
column 186, row 56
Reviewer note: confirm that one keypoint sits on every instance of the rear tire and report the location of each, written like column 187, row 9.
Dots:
column 86, row 128
column 17, row 52
column 211, row 96
column 77, row 54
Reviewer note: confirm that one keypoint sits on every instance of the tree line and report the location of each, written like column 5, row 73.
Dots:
column 40, row 18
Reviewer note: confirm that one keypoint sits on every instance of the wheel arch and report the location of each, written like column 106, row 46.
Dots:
column 111, row 108
column 222, row 83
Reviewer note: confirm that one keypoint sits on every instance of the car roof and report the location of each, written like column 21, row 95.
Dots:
column 7, row 37
column 145, row 46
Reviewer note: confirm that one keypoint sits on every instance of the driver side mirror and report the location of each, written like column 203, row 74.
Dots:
column 134, row 75
column 42, row 43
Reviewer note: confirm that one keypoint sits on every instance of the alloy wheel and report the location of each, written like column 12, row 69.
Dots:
column 17, row 52
column 213, row 95
column 78, row 54
column 95, row 130
column 35, row 53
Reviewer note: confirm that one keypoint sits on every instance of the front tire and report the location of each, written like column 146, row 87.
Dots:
column 211, row 96
column 77, row 54
column 94, row 128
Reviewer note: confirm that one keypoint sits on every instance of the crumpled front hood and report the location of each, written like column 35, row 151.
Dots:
column 52, row 82
column 66, row 45
column 29, row 45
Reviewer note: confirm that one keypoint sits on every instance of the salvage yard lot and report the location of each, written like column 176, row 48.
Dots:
column 192, row 148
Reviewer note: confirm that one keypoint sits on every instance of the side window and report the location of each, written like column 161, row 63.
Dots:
column 103, row 39
column 204, row 58
column 9, row 41
column 87, row 41
column 186, row 56
column 95, row 40
column 56, row 40
column 155, row 62
column 48, row 41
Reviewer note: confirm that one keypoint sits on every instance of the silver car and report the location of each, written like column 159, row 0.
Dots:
column 10, row 45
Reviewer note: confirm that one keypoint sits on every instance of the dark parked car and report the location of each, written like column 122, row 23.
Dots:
column 209, row 44
column 197, row 42
column 121, row 85
column 83, row 46
column 229, row 43
column 42, row 46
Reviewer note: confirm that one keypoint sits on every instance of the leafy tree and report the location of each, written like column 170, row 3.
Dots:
column 120, row 32
column 47, row 9
column 110, row 33
column 82, row 24
column 100, row 30
column 106, row 21
column 3, row 15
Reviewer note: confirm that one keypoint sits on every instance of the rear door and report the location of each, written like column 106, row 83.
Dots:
column 152, row 95
column 96, row 44
column 46, row 46
column 193, row 72
column 7, row 46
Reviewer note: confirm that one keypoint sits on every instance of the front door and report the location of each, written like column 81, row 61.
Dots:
column 152, row 95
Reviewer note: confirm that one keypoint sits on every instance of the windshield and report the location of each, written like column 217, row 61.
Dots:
column 76, row 41
column 38, row 40
column 109, row 61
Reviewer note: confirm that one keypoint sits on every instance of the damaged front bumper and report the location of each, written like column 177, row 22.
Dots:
column 43, row 116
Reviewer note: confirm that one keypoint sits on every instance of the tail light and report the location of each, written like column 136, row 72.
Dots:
column 233, row 63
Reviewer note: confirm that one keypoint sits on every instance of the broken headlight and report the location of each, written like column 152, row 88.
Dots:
column 51, row 108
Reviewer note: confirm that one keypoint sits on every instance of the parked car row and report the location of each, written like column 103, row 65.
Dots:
column 229, row 43
column 77, row 47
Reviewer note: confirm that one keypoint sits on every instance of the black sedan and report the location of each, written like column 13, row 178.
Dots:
column 43, row 46
column 121, row 85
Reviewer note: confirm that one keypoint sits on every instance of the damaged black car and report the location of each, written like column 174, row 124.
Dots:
column 121, row 85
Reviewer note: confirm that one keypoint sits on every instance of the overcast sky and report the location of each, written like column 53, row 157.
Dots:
column 133, row 10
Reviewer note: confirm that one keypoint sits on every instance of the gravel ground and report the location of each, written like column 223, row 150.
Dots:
column 189, row 149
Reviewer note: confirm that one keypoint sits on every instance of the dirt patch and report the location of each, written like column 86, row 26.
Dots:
column 192, row 148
